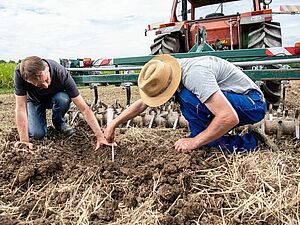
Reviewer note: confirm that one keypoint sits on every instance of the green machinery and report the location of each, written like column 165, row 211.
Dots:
column 261, row 65
column 254, row 58
column 256, row 63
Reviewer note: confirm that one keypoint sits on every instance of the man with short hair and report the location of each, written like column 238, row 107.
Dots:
column 42, row 84
column 214, row 97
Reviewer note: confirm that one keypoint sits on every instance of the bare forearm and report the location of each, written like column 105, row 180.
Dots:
column 132, row 111
column 216, row 129
column 22, row 125
column 225, row 118
column 92, row 122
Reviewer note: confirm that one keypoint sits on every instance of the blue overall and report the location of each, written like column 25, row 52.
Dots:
column 250, row 108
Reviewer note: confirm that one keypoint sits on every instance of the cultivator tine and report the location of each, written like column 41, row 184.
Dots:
column 175, row 122
column 128, row 123
column 94, row 86
column 151, row 121
column 297, row 123
column 74, row 117
column 127, row 87
column 263, row 127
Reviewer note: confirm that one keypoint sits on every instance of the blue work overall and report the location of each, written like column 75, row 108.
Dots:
column 250, row 108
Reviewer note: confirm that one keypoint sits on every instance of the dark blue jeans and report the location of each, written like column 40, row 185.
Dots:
column 37, row 123
column 250, row 108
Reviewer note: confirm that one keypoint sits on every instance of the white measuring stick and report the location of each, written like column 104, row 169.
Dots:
column 110, row 117
column 113, row 153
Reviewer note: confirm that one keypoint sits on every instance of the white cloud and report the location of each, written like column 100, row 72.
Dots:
column 92, row 28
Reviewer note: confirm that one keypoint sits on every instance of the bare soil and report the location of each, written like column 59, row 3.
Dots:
column 65, row 181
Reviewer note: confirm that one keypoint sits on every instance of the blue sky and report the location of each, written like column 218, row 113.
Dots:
column 96, row 29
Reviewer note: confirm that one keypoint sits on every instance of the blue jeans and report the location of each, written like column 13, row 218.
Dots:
column 37, row 123
column 250, row 108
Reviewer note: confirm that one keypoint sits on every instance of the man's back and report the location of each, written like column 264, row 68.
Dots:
column 207, row 74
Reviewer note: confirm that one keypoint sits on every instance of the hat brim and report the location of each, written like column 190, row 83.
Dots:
column 170, row 90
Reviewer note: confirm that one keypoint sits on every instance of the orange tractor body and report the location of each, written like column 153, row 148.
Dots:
column 236, row 31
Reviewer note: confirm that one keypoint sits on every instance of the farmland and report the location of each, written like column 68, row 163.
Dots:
column 6, row 76
column 65, row 181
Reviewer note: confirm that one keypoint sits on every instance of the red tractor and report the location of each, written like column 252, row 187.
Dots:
column 253, row 29
column 245, row 30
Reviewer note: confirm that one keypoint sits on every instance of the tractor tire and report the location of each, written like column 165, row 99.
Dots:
column 268, row 35
column 265, row 36
column 272, row 92
column 165, row 44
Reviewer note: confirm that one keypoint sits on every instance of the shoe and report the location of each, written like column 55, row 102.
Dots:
column 66, row 129
column 262, row 138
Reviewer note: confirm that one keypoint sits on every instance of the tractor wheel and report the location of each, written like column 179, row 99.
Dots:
column 268, row 35
column 272, row 92
column 265, row 36
column 165, row 44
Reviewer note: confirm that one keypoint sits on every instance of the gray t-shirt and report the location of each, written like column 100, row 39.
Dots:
column 205, row 75
column 61, row 80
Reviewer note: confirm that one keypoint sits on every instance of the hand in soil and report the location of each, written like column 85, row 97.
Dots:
column 186, row 144
column 21, row 144
column 103, row 141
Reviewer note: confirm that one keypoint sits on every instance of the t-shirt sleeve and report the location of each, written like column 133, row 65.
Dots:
column 202, row 83
column 19, row 83
column 70, row 85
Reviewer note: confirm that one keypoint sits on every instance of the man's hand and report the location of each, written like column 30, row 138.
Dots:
column 103, row 141
column 109, row 133
column 20, row 144
column 186, row 144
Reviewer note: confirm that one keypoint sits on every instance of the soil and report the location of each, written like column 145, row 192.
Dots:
column 63, row 180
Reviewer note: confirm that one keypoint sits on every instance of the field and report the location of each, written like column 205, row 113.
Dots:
column 6, row 76
column 65, row 181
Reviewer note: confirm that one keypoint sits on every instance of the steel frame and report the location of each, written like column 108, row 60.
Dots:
column 242, row 58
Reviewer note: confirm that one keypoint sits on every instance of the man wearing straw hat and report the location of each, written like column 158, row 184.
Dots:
column 214, row 97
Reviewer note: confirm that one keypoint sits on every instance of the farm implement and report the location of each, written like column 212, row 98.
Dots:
column 254, row 62
column 250, row 40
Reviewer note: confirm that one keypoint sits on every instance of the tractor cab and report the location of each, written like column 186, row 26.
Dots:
column 184, row 10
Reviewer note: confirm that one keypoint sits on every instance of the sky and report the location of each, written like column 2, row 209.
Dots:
column 55, row 29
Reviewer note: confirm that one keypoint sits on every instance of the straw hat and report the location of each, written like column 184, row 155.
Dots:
column 159, row 79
